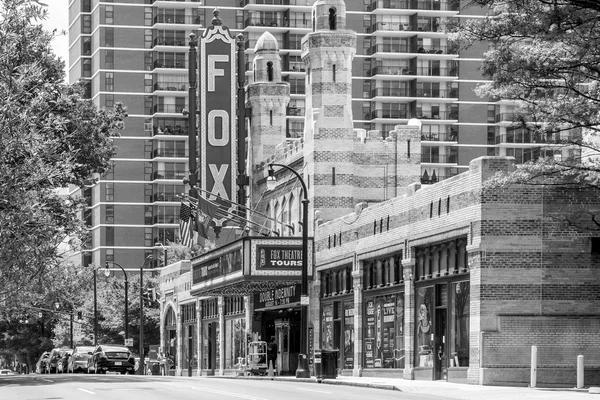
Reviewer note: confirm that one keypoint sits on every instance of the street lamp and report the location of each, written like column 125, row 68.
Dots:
column 163, row 248
column 140, row 370
column 107, row 274
column 303, row 369
column 57, row 308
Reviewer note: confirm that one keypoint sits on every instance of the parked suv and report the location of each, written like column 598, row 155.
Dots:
column 111, row 358
column 51, row 363
column 79, row 359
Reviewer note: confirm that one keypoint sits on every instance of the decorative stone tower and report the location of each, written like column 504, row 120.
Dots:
column 328, row 52
column 268, row 98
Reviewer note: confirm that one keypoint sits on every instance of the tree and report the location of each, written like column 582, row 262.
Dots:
column 543, row 55
column 49, row 138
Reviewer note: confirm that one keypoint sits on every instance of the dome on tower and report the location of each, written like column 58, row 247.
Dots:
column 266, row 42
column 329, row 15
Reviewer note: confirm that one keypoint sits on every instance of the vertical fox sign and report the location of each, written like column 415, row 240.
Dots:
column 218, row 145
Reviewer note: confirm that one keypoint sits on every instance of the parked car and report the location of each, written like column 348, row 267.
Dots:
column 63, row 362
column 78, row 362
column 51, row 362
column 111, row 358
column 7, row 372
column 40, row 366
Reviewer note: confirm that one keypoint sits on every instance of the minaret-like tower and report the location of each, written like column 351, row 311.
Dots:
column 328, row 52
column 268, row 97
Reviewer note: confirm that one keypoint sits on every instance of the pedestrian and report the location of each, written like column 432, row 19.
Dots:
column 272, row 353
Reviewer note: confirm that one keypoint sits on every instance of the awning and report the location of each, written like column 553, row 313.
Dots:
column 250, row 265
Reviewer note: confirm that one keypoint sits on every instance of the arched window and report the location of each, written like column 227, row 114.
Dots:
column 270, row 71
column 277, row 216
column 285, row 218
column 293, row 213
column 332, row 19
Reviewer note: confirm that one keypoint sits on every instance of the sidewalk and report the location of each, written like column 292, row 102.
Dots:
column 444, row 389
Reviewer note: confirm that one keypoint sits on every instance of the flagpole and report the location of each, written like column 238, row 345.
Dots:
column 244, row 207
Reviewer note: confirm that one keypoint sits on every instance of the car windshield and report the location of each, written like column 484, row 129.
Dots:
column 84, row 349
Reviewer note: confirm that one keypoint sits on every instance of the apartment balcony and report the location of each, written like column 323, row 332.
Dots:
column 169, row 175
column 171, row 86
column 452, row 5
column 275, row 2
column 295, row 133
column 388, row 114
column 170, row 153
column 176, row 19
column 172, row 197
column 177, row 1
column 389, row 5
column 263, row 22
column 165, row 219
column 388, row 48
column 162, row 41
column 170, row 130
column 169, row 64
column 439, row 137
column 527, row 137
column 432, row 49
column 445, row 115
column 168, row 108
column 437, row 71
column 391, row 27
column 390, row 92
column 439, row 158
column 294, row 112
column 437, row 93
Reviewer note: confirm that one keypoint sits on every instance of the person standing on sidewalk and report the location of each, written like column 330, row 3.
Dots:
column 272, row 354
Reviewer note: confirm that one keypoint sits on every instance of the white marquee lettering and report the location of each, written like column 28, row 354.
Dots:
column 212, row 136
column 213, row 71
column 218, row 175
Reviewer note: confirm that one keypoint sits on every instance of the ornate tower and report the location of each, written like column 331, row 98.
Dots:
column 268, row 97
column 328, row 52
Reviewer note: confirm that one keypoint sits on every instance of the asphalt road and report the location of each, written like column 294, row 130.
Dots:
column 131, row 387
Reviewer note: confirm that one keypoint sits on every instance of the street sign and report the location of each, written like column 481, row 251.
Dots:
column 129, row 342
column 304, row 300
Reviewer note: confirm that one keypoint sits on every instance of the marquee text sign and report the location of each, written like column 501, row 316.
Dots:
column 277, row 297
column 218, row 145
column 279, row 257
column 225, row 264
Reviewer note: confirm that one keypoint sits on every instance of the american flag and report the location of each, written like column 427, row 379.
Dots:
column 187, row 223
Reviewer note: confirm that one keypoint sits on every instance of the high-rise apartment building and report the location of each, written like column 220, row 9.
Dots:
column 136, row 52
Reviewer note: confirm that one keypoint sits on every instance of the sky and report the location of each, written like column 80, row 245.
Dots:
column 58, row 18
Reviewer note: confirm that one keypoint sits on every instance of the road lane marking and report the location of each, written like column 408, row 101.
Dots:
column 87, row 391
column 216, row 391
column 48, row 380
column 316, row 391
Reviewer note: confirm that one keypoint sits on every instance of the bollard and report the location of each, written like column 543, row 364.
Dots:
column 533, row 366
column 270, row 371
column 580, row 372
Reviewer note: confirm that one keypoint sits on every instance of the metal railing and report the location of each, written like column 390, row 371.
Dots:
column 173, row 86
column 169, row 175
column 177, row 19
column 170, row 153
column 168, row 108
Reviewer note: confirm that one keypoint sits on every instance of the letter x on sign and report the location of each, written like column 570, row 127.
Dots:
column 218, row 175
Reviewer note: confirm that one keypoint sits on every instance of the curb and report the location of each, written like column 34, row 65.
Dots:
column 313, row 380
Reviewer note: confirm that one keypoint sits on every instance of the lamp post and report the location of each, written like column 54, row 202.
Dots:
column 107, row 274
column 140, row 370
column 303, row 369
column 57, row 308
column 164, row 249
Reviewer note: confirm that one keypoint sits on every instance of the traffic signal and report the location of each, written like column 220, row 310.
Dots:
column 79, row 315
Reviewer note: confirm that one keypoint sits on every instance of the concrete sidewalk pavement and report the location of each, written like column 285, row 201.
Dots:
column 444, row 389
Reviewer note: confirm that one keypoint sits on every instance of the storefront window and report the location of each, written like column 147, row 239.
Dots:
column 189, row 331
column 327, row 327
column 384, row 331
column 424, row 332
column 459, row 324
column 348, row 335
column 235, row 343
column 210, row 345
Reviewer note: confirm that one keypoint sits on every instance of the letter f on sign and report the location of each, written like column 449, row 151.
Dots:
column 214, row 72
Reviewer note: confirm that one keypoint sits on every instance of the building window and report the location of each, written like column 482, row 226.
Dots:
column 86, row 67
column 109, row 15
column 86, row 6
column 110, row 214
column 109, row 192
column 86, row 24
column 148, row 16
column 109, row 37
column 109, row 100
column 110, row 255
column 148, row 83
column 148, row 38
column 148, row 105
column 148, row 237
column 86, row 45
column 384, row 331
column 109, row 81
column 460, row 310
column 110, row 236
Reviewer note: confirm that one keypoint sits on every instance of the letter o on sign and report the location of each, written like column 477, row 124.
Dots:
column 224, row 139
